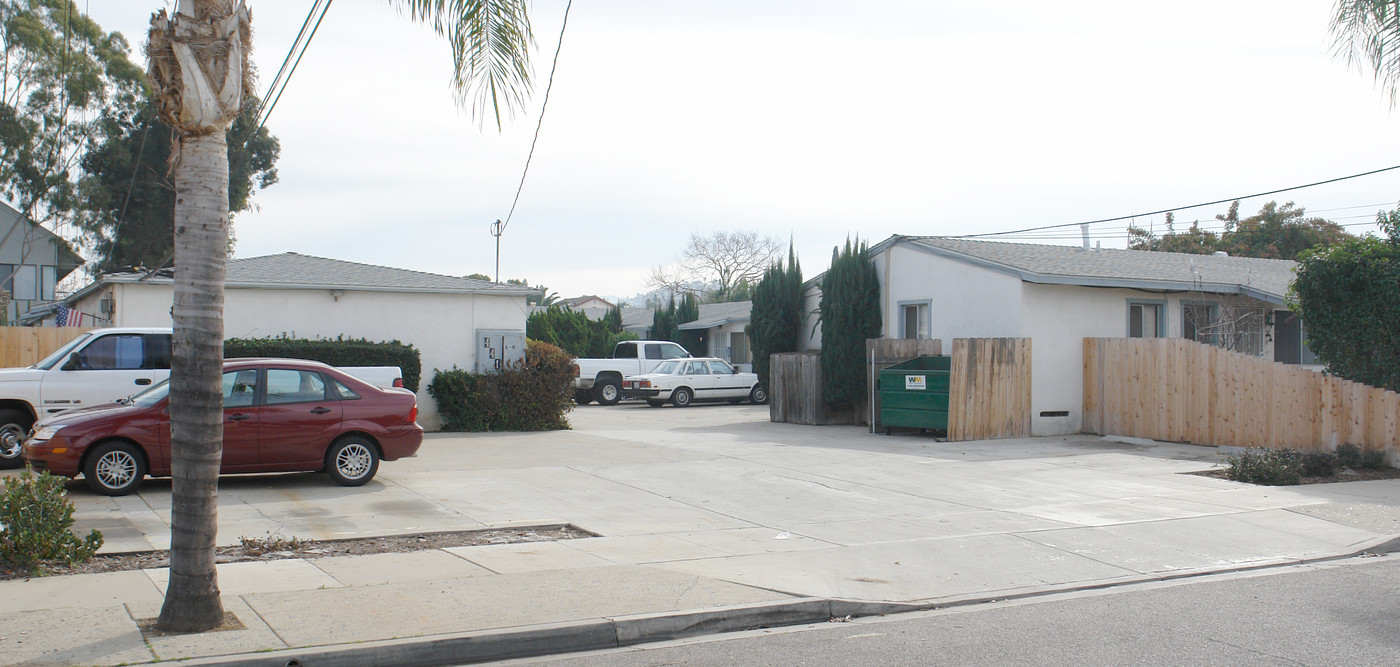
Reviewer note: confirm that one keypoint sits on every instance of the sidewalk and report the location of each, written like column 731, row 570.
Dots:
column 711, row 519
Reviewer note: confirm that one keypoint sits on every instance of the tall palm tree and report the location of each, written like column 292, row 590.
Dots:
column 199, row 72
column 1368, row 31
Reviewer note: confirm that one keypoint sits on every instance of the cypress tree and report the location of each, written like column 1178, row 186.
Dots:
column 850, row 314
column 689, row 311
column 775, row 323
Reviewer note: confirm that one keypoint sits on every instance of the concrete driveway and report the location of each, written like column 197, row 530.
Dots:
column 718, row 491
column 710, row 519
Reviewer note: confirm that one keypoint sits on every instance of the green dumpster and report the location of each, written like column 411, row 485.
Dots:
column 914, row 394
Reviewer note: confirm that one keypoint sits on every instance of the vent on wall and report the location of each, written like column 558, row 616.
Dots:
column 1055, row 413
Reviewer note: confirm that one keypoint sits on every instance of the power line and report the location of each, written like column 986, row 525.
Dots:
column 1177, row 208
column 263, row 121
column 544, row 105
column 290, row 52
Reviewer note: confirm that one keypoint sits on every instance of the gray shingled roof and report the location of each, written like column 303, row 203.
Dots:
column 296, row 271
column 717, row 314
column 1265, row 279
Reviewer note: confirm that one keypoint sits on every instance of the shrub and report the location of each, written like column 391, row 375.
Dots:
column 575, row 332
column 530, row 396
column 1319, row 464
column 1271, row 467
column 337, row 352
column 35, row 517
column 1356, row 458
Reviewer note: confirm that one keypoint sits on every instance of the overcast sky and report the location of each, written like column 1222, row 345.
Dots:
column 811, row 119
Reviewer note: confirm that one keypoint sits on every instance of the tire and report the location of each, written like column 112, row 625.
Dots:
column 682, row 397
column 352, row 460
column 114, row 468
column 758, row 396
column 607, row 392
column 655, row 403
column 582, row 396
column 14, row 428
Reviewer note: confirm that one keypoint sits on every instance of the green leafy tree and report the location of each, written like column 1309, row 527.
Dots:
column 1275, row 232
column 612, row 321
column 850, row 314
column 775, row 322
column 663, row 321
column 489, row 279
column 199, row 72
column 688, row 310
column 1367, row 35
column 127, row 210
column 1348, row 296
column 59, row 72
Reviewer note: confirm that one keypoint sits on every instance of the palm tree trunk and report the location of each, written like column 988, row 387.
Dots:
column 198, row 70
column 196, row 403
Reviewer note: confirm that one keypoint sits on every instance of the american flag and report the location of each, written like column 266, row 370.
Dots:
column 67, row 317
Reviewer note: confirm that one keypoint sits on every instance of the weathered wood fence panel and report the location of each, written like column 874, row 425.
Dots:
column 796, row 394
column 25, row 346
column 990, row 393
column 881, row 353
column 1182, row 391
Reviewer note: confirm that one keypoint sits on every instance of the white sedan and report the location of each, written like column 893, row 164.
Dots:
column 684, row 381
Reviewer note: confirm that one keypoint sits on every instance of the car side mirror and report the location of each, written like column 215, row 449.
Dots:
column 74, row 361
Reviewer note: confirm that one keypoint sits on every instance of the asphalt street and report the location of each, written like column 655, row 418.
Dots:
column 1341, row 613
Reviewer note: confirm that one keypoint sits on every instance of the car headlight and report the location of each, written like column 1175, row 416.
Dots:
column 46, row 433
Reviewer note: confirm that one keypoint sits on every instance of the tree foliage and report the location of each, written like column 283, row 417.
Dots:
column 775, row 322
column 127, row 196
column 663, row 321
column 850, row 314
column 574, row 332
column 1275, row 232
column 718, row 267
column 688, row 310
column 1367, row 34
column 1348, row 296
column 59, row 71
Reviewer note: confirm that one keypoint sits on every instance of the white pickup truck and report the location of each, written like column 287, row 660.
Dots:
column 601, row 379
column 100, row 367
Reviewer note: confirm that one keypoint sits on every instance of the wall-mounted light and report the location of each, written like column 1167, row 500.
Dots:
column 336, row 294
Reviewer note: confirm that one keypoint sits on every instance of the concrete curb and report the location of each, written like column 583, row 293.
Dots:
column 621, row 631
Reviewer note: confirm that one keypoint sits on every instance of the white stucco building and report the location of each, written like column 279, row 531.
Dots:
column 302, row 296
column 722, row 331
column 1056, row 296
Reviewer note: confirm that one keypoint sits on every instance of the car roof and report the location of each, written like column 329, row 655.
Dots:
column 244, row 362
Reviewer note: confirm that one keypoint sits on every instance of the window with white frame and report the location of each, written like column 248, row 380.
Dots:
column 1146, row 319
column 914, row 319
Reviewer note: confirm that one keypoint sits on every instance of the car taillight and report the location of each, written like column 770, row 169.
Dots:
column 576, row 371
column 413, row 414
column 644, row 384
column 398, row 382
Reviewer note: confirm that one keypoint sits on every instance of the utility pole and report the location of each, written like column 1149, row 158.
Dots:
column 496, row 230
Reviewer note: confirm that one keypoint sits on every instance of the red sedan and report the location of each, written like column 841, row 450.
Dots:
column 280, row 415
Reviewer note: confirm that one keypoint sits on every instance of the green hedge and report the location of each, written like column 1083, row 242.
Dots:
column 531, row 396
column 337, row 352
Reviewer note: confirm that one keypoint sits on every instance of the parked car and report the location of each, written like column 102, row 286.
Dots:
column 280, row 415
column 684, row 381
column 96, row 368
column 601, row 379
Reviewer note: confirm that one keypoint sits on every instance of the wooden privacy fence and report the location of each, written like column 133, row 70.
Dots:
column 990, row 391
column 1182, row 391
column 989, row 394
column 25, row 346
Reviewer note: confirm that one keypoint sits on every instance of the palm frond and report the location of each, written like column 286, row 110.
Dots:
column 1367, row 34
column 491, row 41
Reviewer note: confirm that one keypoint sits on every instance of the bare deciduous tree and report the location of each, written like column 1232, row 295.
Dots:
column 716, row 264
